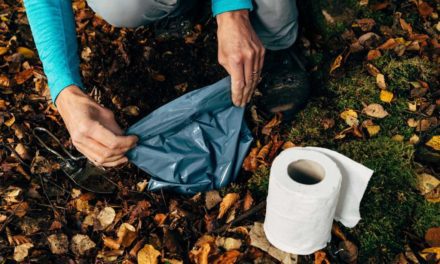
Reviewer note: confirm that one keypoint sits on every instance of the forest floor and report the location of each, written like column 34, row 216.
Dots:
column 376, row 99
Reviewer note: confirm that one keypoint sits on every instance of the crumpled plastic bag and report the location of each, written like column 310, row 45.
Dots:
column 193, row 144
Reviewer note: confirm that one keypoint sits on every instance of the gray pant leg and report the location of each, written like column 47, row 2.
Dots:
column 275, row 22
column 134, row 13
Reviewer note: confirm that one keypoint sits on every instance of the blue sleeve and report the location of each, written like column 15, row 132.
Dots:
column 53, row 28
column 221, row 6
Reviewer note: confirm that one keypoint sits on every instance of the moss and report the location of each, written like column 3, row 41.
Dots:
column 391, row 200
column 258, row 184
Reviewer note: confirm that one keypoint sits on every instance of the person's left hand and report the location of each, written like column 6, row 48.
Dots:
column 241, row 53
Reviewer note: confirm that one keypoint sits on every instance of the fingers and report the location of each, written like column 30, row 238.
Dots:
column 237, row 81
column 250, row 76
column 100, row 160
column 107, row 138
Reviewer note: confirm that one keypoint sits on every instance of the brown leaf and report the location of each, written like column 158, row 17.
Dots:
column 288, row 144
column 267, row 129
column 432, row 236
column 126, row 234
column 425, row 9
column 380, row 81
column 20, row 209
column 250, row 162
column 349, row 251
column 226, row 203
column 228, row 257
column 248, row 201
column 264, row 151
column 21, row 251
column 200, row 254
column 111, row 243
column 389, row 44
column 58, row 243
column 336, row 230
column 212, row 198
column 405, row 26
column 336, row 63
column 158, row 77
column 148, row 255
column 321, row 257
column 375, row 110
column 131, row 110
column 23, row 76
column 366, row 24
column 373, row 54
column 81, row 244
column 372, row 70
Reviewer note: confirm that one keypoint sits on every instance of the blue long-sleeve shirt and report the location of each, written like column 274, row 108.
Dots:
column 53, row 28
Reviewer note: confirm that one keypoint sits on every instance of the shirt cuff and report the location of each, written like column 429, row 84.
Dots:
column 62, row 82
column 221, row 6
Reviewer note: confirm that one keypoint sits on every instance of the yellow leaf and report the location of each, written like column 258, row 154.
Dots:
column 398, row 138
column 380, row 81
column 434, row 143
column 426, row 183
column 3, row 50
column 414, row 139
column 386, row 96
column 10, row 121
column 336, row 63
column 373, row 130
column 126, row 234
column 412, row 106
column 350, row 117
column 430, row 251
column 226, row 203
column 26, row 52
column 200, row 255
column 148, row 255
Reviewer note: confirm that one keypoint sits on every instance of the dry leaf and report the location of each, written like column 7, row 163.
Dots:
column 412, row 122
column 389, row 44
column 349, row 251
column 412, row 106
column 425, row 9
column 429, row 253
column 21, row 251
column 126, row 234
column 434, row 142
column 405, row 26
column 432, row 236
column 288, row 144
column 380, row 81
column 336, row 63
column 274, row 122
column 10, row 121
column 366, row 24
column 264, row 151
column 3, row 50
column 26, row 52
column 433, row 196
column 140, row 186
column 148, row 255
column 375, row 110
column 159, row 219
column 111, row 243
column 386, row 96
column 426, row 183
column 373, row 54
column 228, row 243
column 212, row 198
column 321, row 257
column 20, row 209
column 248, row 201
column 414, row 139
column 81, row 244
column 106, row 217
column 336, row 230
column 228, row 257
column 58, row 243
column 372, row 70
column 200, row 255
column 158, row 77
column 424, row 125
column 131, row 110
column 350, row 117
column 398, row 138
column 372, row 129
column 250, row 162
column 226, row 203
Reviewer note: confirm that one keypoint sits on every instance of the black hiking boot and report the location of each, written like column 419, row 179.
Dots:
column 285, row 85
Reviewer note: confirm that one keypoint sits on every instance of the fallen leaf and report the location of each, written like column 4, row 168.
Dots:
column 380, row 81
column 398, row 138
column 10, row 121
column 412, row 106
column 228, row 257
column 349, row 251
column 405, row 26
column 200, row 253
column 21, row 251
column 212, row 198
column 159, row 219
column 248, row 201
column 126, row 234
column 425, row 9
column 273, row 123
column 412, row 122
column 23, row 76
column 81, row 244
column 58, row 243
column 228, row 243
column 26, row 52
column 148, row 255
column 350, row 117
column 423, row 125
column 250, row 162
column 259, row 240
column 372, row 70
column 336, row 63
column 158, row 77
column 336, row 230
column 288, row 144
column 3, row 50
column 131, row 110
column 140, row 186
column 431, row 253
column 264, row 151
column 414, row 139
column 426, row 183
column 372, row 129
column 389, row 44
column 434, row 195
column 432, row 236
column 321, row 257
column 373, row 54
column 110, row 243
column 20, row 209
column 106, row 217
column 386, row 96
column 227, row 202
column 434, row 142
column 375, row 110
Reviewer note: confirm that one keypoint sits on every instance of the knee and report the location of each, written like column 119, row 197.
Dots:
column 133, row 13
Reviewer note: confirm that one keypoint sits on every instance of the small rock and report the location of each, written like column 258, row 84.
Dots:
column 81, row 244
column 59, row 244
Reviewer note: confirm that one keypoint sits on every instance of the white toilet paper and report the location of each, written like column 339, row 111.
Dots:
column 308, row 188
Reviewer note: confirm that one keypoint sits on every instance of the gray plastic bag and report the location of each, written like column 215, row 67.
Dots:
column 193, row 144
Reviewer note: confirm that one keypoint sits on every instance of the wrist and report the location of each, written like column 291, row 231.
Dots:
column 232, row 15
column 67, row 94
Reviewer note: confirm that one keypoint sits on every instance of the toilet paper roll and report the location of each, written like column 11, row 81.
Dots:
column 303, row 194
column 308, row 188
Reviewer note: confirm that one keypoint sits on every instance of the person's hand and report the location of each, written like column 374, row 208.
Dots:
column 93, row 128
column 241, row 53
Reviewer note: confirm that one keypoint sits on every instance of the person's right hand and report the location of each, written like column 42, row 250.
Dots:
column 93, row 128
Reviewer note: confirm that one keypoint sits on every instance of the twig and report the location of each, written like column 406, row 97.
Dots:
column 248, row 213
